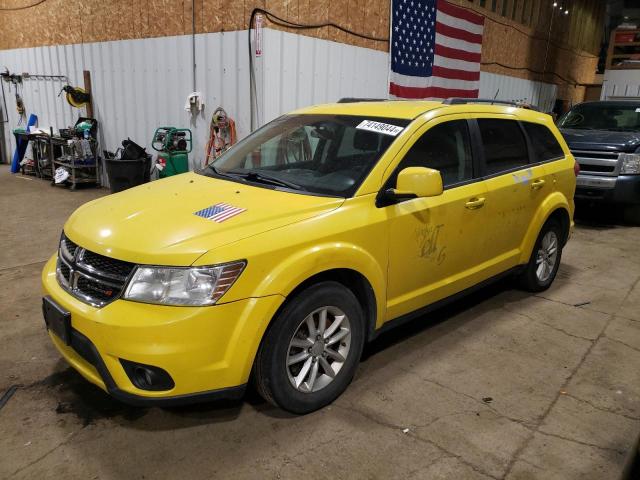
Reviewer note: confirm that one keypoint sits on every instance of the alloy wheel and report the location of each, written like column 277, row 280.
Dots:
column 547, row 256
column 318, row 349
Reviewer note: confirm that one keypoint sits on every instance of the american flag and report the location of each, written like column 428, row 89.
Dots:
column 219, row 212
column 435, row 50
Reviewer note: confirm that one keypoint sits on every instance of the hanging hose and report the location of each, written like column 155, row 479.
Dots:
column 76, row 96
column 222, row 135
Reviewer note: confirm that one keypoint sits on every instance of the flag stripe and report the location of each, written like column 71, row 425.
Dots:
column 434, row 92
column 435, row 81
column 455, row 74
column 456, row 64
column 228, row 213
column 458, row 33
column 458, row 12
column 457, row 54
column 457, row 43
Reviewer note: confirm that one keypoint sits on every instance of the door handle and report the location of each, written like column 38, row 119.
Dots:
column 537, row 184
column 475, row 203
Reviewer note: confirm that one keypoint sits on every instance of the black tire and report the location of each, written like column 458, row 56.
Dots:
column 632, row 215
column 528, row 278
column 271, row 373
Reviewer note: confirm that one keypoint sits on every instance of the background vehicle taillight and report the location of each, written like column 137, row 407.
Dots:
column 576, row 168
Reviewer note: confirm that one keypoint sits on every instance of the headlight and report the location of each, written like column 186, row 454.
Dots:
column 182, row 286
column 630, row 163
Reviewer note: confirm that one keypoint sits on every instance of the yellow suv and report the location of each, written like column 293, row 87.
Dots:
column 304, row 241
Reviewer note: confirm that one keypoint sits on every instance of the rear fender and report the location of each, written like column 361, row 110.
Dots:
column 553, row 202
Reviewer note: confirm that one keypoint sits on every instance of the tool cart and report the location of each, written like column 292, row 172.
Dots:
column 76, row 151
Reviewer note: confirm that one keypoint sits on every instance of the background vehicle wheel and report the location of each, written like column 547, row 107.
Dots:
column 545, row 259
column 632, row 214
column 312, row 349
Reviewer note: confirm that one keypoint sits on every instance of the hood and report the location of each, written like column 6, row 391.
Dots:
column 156, row 223
column 601, row 140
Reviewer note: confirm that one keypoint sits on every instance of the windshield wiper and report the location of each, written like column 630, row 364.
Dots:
column 221, row 173
column 262, row 178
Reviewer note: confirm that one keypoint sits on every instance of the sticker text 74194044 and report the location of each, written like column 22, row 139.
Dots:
column 379, row 127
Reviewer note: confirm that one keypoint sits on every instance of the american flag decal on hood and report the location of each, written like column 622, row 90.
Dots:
column 219, row 212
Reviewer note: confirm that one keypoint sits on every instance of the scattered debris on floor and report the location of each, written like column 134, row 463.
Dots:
column 8, row 394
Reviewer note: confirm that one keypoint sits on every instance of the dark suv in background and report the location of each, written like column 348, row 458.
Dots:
column 604, row 138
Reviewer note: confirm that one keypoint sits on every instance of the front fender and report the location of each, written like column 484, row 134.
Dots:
column 305, row 263
column 553, row 202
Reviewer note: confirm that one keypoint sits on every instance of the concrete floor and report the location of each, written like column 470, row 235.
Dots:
column 503, row 385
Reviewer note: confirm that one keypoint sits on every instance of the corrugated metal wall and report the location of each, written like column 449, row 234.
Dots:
column 301, row 71
column 621, row 84
column 518, row 89
column 139, row 85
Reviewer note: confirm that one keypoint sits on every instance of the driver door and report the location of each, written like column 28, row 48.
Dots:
column 436, row 243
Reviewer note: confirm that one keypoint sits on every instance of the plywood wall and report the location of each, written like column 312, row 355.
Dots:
column 520, row 49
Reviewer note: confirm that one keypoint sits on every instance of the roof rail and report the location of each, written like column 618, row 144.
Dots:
column 491, row 101
column 356, row 100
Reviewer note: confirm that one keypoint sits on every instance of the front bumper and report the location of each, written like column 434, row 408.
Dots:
column 207, row 351
column 623, row 189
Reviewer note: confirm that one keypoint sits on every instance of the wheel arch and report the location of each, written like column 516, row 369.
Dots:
column 353, row 281
column 555, row 207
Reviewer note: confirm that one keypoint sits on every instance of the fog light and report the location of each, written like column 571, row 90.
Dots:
column 147, row 377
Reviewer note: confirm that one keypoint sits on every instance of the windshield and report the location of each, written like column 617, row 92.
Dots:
column 603, row 116
column 317, row 154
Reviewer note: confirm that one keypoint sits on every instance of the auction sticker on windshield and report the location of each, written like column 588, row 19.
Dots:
column 379, row 127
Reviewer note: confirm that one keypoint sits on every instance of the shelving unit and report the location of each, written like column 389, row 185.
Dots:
column 624, row 50
column 82, row 168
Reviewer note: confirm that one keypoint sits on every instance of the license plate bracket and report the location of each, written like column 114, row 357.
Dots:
column 57, row 319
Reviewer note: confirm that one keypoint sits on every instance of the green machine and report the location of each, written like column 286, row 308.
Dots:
column 173, row 146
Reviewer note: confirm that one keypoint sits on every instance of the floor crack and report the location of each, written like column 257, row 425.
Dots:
column 486, row 406
column 584, row 307
column 70, row 437
column 622, row 343
column 547, row 324
column 383, row 423
column 579, row 442
column 520, row 449
column 602, row 409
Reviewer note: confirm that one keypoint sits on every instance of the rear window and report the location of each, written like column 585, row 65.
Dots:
column 504, row 145
column 544, row 143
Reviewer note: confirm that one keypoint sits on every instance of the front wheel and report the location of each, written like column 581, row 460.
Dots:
column 545, row 259
column 312, row 349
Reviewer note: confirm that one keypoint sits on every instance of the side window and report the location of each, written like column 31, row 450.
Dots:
column 445, row 147
column 504, row 145
column 545, row 146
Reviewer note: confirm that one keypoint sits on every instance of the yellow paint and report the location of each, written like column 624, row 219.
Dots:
column 412, row 254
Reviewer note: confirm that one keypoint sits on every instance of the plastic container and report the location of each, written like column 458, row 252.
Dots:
column 127, row 173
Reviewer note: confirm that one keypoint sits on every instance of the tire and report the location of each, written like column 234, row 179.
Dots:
column 276, row 371
column 632, row 215
column 531, row 278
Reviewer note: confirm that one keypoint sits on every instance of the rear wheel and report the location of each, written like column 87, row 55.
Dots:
column 311, row 351
column 543, row 265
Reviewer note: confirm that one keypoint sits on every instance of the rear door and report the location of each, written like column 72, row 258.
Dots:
column 516, row 186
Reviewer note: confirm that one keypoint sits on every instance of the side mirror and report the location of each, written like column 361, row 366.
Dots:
column 419, row 181
column 413, row 182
